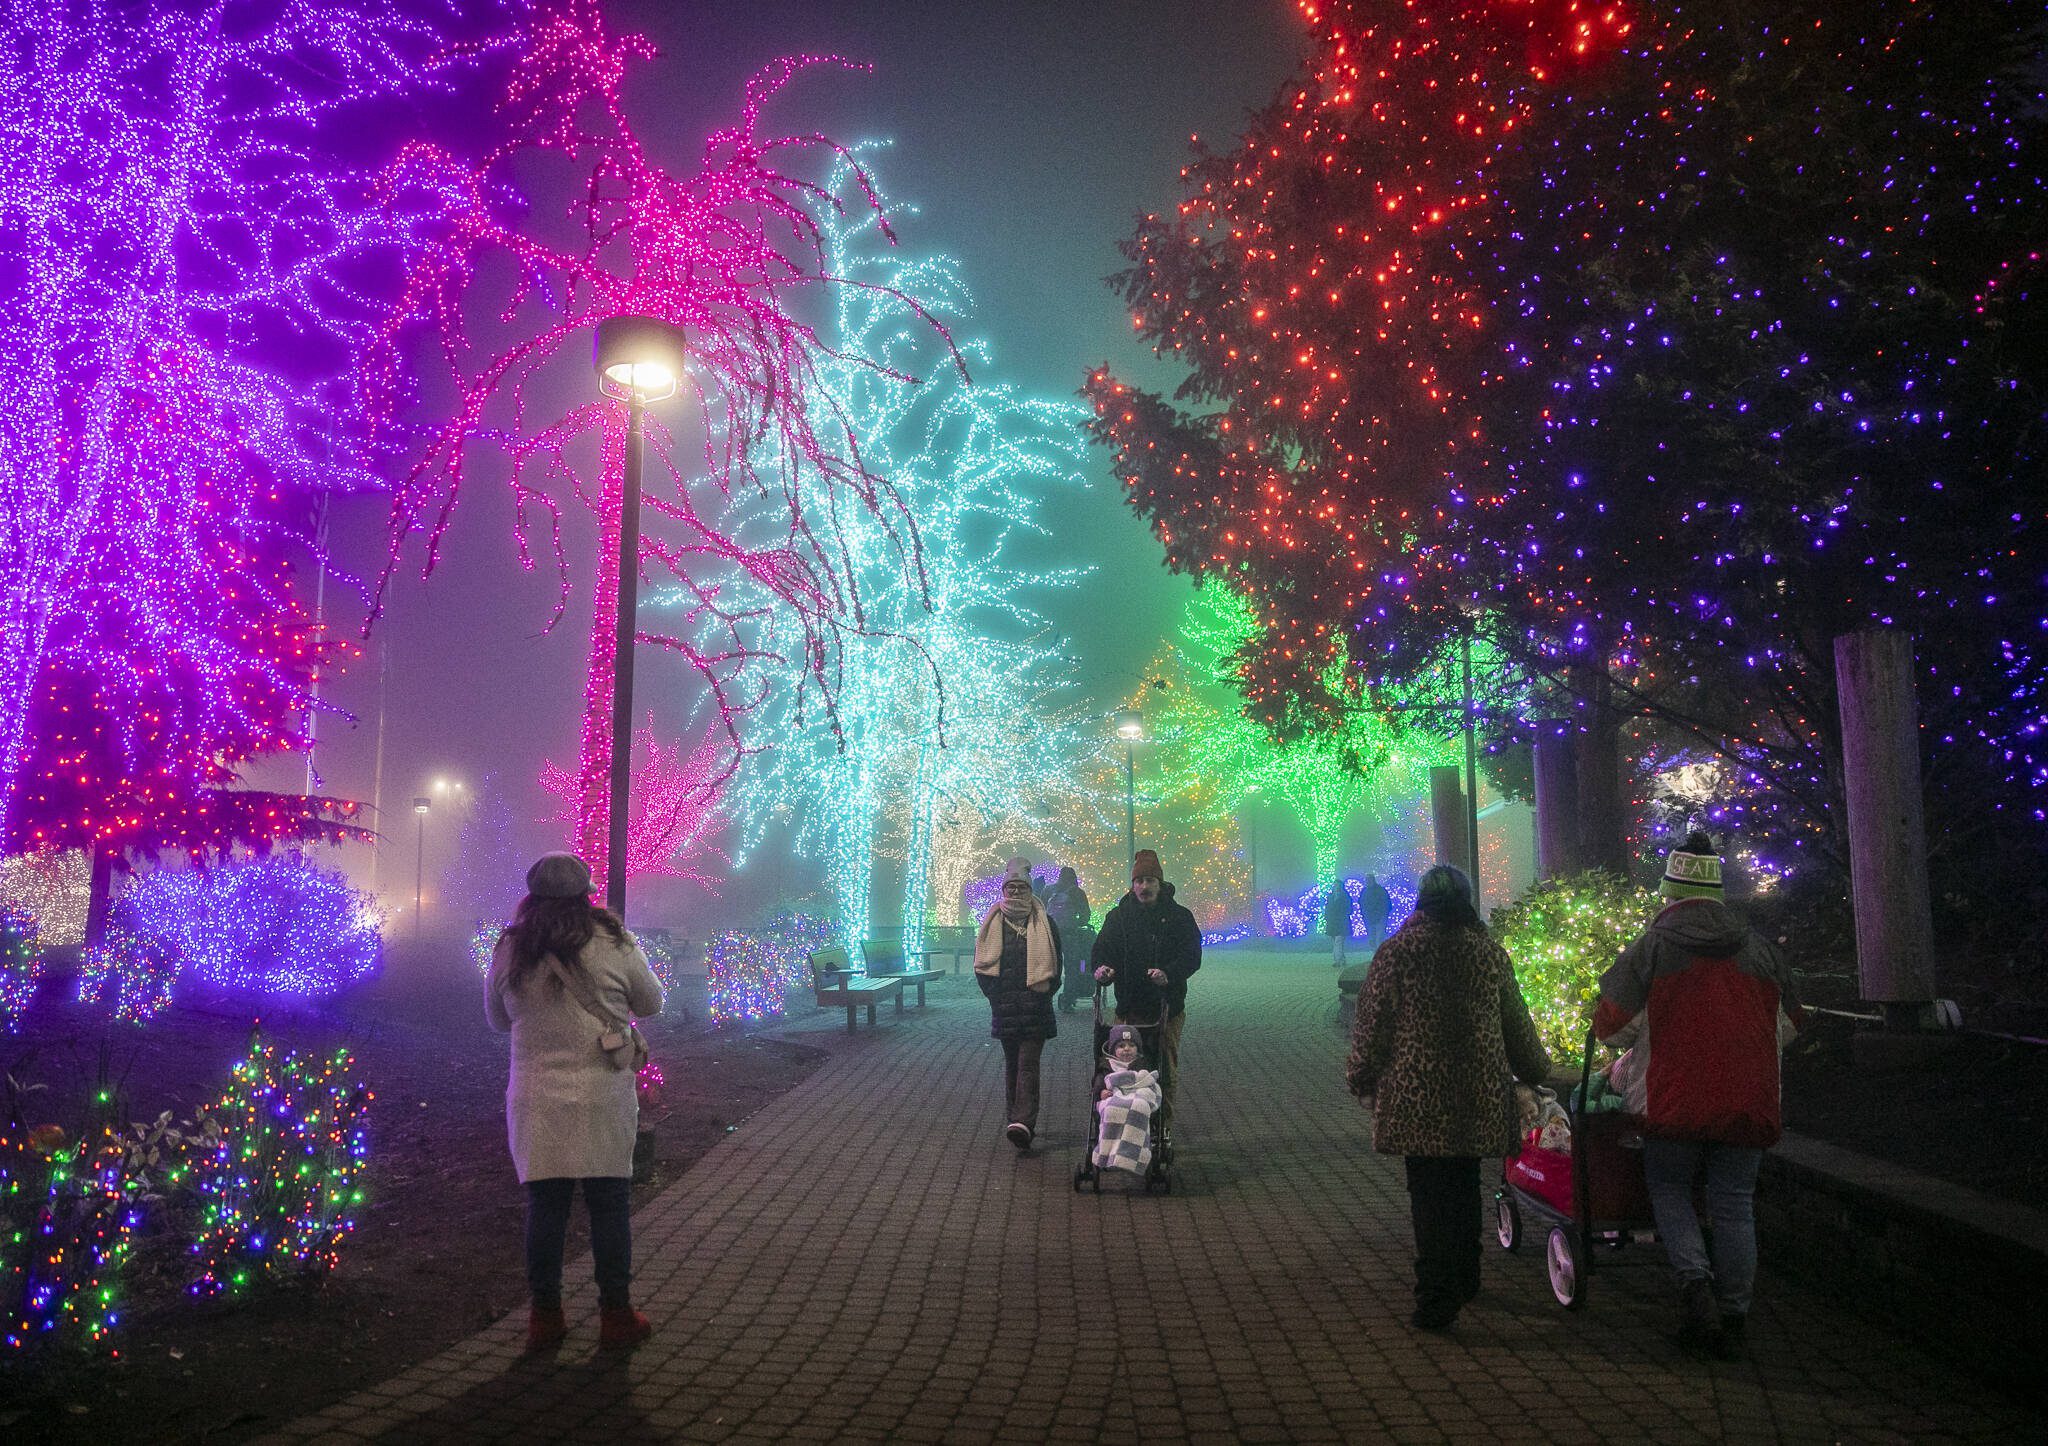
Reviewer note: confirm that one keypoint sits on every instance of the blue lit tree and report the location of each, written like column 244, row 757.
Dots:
column 951, row 689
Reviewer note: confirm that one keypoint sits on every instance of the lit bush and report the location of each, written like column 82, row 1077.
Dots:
column 68, row 1214
column 748, row 976
column 1562, row 935
column 279, row 925
column 20, row 960
column 279, row 1189
column 129, row 976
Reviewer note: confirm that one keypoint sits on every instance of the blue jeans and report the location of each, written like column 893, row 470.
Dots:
column 610, row 1203
column 1669, row 1168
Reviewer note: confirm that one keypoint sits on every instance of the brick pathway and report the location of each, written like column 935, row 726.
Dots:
column 866, row 1259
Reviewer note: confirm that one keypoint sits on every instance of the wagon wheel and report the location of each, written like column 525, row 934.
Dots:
column 1567, row 1270
column 1507, row 1222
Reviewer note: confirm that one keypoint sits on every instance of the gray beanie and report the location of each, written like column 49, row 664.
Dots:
column 558, row 876
column 1117, row 1035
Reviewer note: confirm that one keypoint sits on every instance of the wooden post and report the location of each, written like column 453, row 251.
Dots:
column 1887, row 835
column 1447, row 814
column 1603, row 816
column 1557, row 800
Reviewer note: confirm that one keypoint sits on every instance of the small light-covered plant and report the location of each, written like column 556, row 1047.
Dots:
column 1562, row 934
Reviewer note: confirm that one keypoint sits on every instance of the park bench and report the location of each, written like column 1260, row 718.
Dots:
column 954, row 940
column 836, row 986
column 885, row 960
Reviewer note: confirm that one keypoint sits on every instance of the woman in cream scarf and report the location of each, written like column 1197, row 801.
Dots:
column 1017, row 964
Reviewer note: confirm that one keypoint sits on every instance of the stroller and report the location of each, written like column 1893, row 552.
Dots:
column 1150, row 1039
column 1595, row 1195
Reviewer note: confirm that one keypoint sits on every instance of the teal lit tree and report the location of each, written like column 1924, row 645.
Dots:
column 951, row 688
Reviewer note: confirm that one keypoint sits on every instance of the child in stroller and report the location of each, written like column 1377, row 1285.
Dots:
column 1126, row 1094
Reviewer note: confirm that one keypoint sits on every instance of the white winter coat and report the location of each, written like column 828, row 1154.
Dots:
column 568, row 1113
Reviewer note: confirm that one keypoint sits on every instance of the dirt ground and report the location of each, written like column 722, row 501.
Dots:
column 435, row 1256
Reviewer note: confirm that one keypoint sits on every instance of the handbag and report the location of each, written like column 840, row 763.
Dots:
column 621, row 1043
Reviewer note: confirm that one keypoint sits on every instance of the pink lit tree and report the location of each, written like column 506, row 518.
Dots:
column 674, row 815
column 723, row 254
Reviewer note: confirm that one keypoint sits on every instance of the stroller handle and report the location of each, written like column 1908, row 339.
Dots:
column 1102, row 988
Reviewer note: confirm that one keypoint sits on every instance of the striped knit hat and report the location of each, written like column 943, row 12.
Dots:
column 1692, row 870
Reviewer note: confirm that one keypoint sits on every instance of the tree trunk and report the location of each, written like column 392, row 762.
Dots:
column 1447, row 815
column 1887, row 834
column 1603, row 821
column 1557, row 800
column 100, row 894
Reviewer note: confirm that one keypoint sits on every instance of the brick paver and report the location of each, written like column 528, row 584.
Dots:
column 868, row 1260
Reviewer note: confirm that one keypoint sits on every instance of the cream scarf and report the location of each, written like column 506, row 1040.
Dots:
column 1041, row 968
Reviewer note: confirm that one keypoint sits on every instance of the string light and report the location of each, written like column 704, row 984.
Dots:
column 749, row 976
column 128, row 976
column 1562, row 934
column 21, row 963
column 69, row 1213
column 280, row 1190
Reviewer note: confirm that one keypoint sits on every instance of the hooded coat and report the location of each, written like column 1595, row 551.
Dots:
column 1710, row 989
column 1017, row 1010
column 1441, row 1026
column 1136, row 939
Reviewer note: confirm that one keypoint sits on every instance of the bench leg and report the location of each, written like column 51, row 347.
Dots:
column 899, row 1001
column 871, row 1014
column 850, row 1016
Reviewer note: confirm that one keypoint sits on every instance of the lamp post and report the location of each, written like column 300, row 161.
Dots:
column 420, row 805
column 639, row 359
column 1130, row 727
column 1471, row 776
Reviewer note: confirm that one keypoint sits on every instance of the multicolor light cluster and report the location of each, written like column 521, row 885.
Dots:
column 280, row 1190
column 1302, row 915
column 1562, row 934
column 21, row 962
column 280, row 925
column 53, row 889
column 749, row 976
column 68, row 1215
column 128, row 976
column 949, row 694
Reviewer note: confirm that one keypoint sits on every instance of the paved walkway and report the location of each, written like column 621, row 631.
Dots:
column 866, row 1259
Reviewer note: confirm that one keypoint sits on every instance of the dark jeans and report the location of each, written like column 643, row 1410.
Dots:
column 1020, row 1080
column 1443, row 1199
column 610, row 1203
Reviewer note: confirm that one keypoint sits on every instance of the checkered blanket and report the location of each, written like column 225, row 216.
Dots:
column 1124, row 1140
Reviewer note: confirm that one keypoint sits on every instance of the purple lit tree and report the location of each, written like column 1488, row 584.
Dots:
column 724, row 255
column 190, row 266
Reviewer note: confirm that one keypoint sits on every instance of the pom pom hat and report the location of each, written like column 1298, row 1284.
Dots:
column 558, row 876
column 1692, row 870
column 1018, row 872
column 1146, row 866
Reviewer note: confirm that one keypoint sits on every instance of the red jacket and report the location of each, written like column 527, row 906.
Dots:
column 1710, row 990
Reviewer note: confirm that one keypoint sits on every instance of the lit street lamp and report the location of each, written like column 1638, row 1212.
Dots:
column 420, row 806
column 1130, row 727
column 639, row 359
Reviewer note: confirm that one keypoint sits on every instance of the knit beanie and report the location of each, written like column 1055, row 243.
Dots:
column 1019, row 870
column 558, row 876
column 1692, row 870
column 1146, row 866
column 1117, row 1035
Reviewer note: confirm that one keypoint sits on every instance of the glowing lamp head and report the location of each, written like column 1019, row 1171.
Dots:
column 638, row 356
column 422, row 804
column 1130, row 726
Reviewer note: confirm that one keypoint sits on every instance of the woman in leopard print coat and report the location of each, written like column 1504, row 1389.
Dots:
column 1441, row 1027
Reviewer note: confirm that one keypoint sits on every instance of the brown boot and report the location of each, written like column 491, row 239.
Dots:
column 620, row 1326
column 545, row 1326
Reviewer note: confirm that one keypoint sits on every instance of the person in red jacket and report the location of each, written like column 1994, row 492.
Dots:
column 1707, row 992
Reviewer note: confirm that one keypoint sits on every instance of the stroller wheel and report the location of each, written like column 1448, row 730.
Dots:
column 1567, row 1270
column 1097, row 1179
column 1508, row 1223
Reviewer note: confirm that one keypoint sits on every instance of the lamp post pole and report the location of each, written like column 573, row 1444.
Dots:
column 420, row 805
column 628, row 608
column 1471, row 779
column 1130, row 726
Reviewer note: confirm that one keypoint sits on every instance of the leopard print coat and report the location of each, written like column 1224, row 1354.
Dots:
column 1441, row 1024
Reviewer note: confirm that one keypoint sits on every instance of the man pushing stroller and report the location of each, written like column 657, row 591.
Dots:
column 1148, row 947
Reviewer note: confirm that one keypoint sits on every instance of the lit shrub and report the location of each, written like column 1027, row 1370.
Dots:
column 1562, row 935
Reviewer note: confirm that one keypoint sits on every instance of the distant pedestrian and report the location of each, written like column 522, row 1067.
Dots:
column 565, row 976
column 1067, row 906
column 1017, row 965
column 1441, row 1025
column 1375, row 904
column 1713, row 996
column 1148, row 948
column 1337, row 922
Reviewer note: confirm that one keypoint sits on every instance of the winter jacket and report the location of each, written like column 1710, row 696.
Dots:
column 1337, row 912
column 1135, row 939
column 1441, row 1026
column 1068, row 908
column 568, row 1113
column 1710, row 990
column 1016, row 1010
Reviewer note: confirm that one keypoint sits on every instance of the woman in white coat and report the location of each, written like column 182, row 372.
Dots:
column 570, row 1113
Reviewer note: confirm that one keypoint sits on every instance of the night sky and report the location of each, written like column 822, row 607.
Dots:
column 1027, row 136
